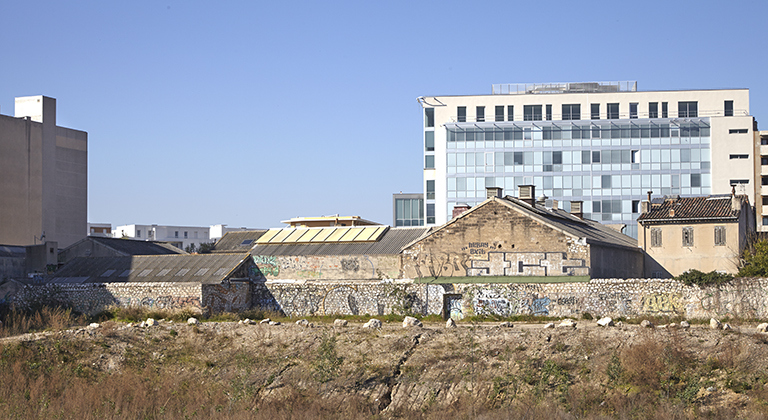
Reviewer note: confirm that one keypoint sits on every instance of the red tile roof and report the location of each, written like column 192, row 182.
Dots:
column 692, row 209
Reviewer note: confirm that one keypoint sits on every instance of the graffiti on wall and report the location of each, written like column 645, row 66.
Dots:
column 227, row 298
column 159, row 302
column 508, row 300
column 662, row 303
column 527, row 264
column 440, row 264
column 266, row 265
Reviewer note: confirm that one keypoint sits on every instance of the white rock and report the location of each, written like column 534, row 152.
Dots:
column 506, row 324
column 247, row 321
column 302, row 322
column 240, row 322
column 763, row 327
column 605, row 322
column 265, row 321
column 646, row 324
column 193, row 321
column 143, row 324
column 150, row 322
column 450, row 323
column 340, row 323
column 715, row 324
column 727, row 327
column 672, row 325
column 94, row 325
column 685, row 325
column 567, row 323
column 549, row 325
column 410, row 321
column 274, row 323
column 372, row 323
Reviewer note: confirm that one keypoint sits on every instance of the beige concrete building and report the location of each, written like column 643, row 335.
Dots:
column 604, row 144
column 44, row 172
column 703, row 233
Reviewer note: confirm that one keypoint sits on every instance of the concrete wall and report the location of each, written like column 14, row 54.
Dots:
column 496, row 240
column 329, row 267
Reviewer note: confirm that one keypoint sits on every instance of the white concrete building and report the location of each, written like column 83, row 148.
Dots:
column 217, row 231
column 604, row 144
column 43, row 176
column 178, row 236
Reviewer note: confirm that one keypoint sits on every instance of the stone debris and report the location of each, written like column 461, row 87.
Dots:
column 450, row 323
column 265, row 321
column 605, row 322
column 150, row 322
column 763, row 327
column 340, row 323
column 275, row 323
column 410, row 321
column 715, row 324
column 620, row 324
column 549, row 325
column 193, row 321
column 647, row 324
column 506, row 324
column 302, row 323
column 143, row 324
column 567, row 323
column 372, row 323
column 662, row 326
column 94, row 325
column 727, row 327
column 672, row 325
column 685, row 325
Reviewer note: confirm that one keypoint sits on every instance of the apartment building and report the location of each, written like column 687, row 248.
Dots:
column 178, row 236
column 44, row 173
column 605, row 144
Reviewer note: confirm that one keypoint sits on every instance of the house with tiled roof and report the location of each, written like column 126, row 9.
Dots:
column 705, row 233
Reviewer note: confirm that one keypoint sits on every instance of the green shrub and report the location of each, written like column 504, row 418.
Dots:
column 695, row 277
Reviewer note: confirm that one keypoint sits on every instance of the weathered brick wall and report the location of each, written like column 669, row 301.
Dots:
column 94, row 298
column 745, row 298
column 329, row 267
column 496, row 240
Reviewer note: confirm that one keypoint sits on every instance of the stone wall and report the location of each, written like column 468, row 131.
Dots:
column 744, row 298
column 329, row 267
column 232, row 297
column 94, row 298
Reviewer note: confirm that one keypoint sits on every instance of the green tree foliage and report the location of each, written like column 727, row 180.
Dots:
column 699, row 278
column 755, row 260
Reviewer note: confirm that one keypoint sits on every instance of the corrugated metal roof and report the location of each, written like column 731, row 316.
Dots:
column 202, row 268
column 238, row 241
column 135, row 247
column 390, row 243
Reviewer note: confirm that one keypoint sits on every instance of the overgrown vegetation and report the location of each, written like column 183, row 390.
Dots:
column 755, row 260
column 695, row 277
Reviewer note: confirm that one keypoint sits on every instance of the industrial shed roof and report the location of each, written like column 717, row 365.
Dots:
column 238, row 241
column 391, row 242
column 203, row 268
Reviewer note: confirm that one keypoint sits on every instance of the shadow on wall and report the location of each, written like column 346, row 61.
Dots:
column 654, row 269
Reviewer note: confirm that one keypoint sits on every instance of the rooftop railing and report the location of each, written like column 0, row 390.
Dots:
column 580, row 87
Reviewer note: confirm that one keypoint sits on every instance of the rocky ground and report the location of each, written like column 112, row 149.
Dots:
column 428, row 371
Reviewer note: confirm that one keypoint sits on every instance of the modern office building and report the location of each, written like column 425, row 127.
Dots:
column 179, row 236
column 605, row 144
column 44, row 173
column 408, row 209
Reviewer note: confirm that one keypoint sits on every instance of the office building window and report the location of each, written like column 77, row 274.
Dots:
column 176, row 234
column 595, row 156
column 695, row 180
column 664, row 110
column 688, row 236
column 409, row 212
column 633, row 110
column 613, row 111
column 764, row 160
column 430, row 189
column 510, row 112
column 429, row 141
column 499, row 112
column 429, row 162
column 719, row 235
column 572, row 112
column 429, row 117
column 595, row 111
column 430, row 213
column 531, row 112
column 728, row 108
column 687, row 109
column 138, row 233
column 739, row 156
column 653, row 110
column 635, row 206
column 461, row 114
column 655, row 237
column 738, row 131
column 549, row 112
column 738, row 181
column 480, row 113
column 186, row 234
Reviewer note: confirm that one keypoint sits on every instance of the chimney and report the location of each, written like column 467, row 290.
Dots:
column 542, row 200
column 576, row 209
column 645, row 206
column 735, row 200
column 527, row 193
column 492, row 192
column 555, row 203
column 459, row 208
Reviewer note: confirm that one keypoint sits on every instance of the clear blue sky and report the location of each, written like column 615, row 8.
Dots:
column 249, row 113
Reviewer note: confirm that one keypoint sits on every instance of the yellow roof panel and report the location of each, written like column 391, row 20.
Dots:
column 323, row 235
column 366, row 234
column 267, row 236
column 282, row 235
column 351, row 235
column 308, row 235
column 337, row 234
column 298, row 233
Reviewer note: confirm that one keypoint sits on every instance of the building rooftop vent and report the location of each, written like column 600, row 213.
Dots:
column 581, row 87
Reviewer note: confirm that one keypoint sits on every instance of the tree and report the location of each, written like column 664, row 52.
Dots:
column 190, row 249
column 755, row 260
